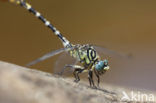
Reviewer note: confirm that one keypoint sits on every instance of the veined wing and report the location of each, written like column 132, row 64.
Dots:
column 62, row 60
column 65, row 59
column 46, row 56
column 106, row 51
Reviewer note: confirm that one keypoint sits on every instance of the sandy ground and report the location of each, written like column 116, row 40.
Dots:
column 23, row 85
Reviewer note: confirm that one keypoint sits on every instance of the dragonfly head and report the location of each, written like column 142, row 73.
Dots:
column 102, row 66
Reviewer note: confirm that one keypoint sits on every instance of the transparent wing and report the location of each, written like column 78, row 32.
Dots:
column 111, row 53
column 116, row 60
column 64, row 59
column 46, row 56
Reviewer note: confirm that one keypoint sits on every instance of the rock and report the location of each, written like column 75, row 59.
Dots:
column 23, row 85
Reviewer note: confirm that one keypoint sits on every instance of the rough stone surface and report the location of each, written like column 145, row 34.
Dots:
column 23, row 85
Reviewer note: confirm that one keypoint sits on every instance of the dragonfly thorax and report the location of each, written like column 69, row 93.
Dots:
column 85, row 54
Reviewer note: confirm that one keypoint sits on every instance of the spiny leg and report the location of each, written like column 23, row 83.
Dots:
column 76, row 74
column 90, row 78
column 66, row 66
column 98, row 77
column 77, row 69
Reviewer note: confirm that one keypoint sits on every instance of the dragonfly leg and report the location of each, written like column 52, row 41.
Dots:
column 61, row 73
column 66, row 66
column 90, row 78
column 77, row 69
column 76, row 74
column 98, row 77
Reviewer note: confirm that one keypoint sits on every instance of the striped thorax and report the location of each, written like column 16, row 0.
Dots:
column 86, row 54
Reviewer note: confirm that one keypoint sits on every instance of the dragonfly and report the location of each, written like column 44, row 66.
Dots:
column 86, row 54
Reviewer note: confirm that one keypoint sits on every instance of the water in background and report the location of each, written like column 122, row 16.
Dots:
column 123, row 26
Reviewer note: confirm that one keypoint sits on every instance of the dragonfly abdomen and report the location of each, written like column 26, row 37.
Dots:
column 44, row 20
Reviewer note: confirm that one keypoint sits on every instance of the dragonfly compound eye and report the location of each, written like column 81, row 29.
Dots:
column 105, row 62
column 99, row 66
